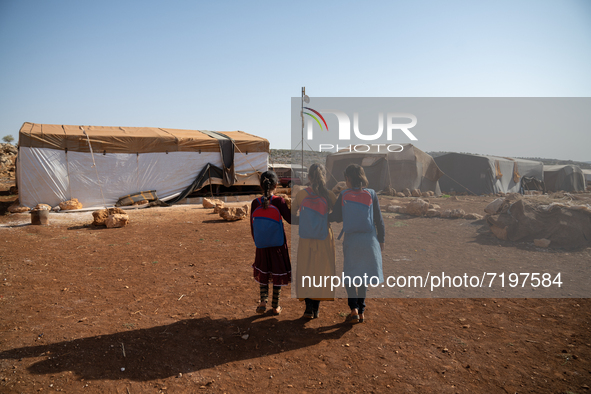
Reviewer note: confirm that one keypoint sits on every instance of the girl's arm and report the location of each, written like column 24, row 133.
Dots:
column 253, row 205
column 282, row 206
column 378, row 220
column 337, row 211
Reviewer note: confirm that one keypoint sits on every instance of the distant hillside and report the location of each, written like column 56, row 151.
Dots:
column 284, row 156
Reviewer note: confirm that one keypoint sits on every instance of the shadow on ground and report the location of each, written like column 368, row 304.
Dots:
column 182, row 347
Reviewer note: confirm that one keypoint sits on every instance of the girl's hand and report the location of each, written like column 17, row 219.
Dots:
column 382, row 247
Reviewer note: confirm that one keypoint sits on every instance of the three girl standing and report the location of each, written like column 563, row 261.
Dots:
column 358, row 209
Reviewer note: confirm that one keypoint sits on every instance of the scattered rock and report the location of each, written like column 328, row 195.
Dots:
column 500, row 233
column 542, row 243
column 16, row 207
column 389, row 191
column 407, row 192
column 434, row 206
column 494, row 206
column 218, row 206
column 117, row 220
column 473, row 216
column 446, row 213
column 210, row 203
column 400, row 194
column 393, row 208
column 432, row 213
column 234, row 213
column 70, row 204
column 453, row 198
column 100, row 216
column 458, row 213
column 417, row 207
column 425, row 194
column 41, row 207
column 416, row 193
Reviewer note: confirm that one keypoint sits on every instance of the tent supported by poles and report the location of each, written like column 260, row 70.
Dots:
column 477, row 174
column 98, row 165
column 409, row 168
column 569, row 178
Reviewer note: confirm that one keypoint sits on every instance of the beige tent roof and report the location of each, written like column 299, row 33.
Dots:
column 132, row 139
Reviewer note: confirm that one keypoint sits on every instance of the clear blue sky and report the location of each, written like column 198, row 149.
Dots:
column 233, row 65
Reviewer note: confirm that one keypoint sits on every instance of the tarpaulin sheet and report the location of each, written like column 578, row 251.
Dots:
column 107, row 139
column 485, row 174
column 50, row 176
column 411, row 168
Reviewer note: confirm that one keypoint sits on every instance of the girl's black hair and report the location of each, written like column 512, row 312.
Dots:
column 268, row 182
column 356, row 175
column 317, row 177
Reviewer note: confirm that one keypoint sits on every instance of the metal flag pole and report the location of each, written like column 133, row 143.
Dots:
column 302, row 115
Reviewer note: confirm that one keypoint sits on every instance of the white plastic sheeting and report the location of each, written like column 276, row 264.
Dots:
column 50, row 176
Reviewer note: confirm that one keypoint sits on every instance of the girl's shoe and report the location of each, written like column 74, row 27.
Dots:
column 353, row 317
column 277, row 311
column 308, row 314
column 361, row 318
column 315, row 314
column 261, row 308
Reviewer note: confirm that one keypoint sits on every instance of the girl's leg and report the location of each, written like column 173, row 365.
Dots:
column 315, row 307
column 275, row 303
column 264, row 293
column 361, row 294
column 352, row 301
column 308, row 313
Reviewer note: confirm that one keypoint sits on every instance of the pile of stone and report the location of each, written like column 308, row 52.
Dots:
column 70, row 205
column 111, row 218
column 234, row 213
column 408, row 193
column 420, row 207
column 227, row 213
column 16, row 207
column 8, row 154
column 557, row 223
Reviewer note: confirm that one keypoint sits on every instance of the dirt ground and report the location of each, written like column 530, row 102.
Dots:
column 165, row 304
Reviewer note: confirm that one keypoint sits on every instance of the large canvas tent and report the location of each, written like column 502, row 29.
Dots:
column 587, row 174
column 569, row 178
column 476, row 174
column 410, row 168
column 98, row 165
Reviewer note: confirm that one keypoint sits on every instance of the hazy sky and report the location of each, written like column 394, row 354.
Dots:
column 234, row 65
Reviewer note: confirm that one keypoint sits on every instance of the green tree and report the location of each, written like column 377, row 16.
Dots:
column 8, row 138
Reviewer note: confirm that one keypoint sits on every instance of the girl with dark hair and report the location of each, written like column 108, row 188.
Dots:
column 316, row 247
column 359, row 210
column 271, row 263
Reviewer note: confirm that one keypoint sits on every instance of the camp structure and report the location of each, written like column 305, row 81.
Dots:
column 587, row 174
column 98, row 165
column 409, row 168
column 569, row 178
column 477, row 174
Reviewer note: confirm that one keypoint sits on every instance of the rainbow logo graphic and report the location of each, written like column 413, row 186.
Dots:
column 315, row 118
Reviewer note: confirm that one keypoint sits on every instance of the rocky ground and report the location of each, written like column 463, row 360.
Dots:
column 166, row 305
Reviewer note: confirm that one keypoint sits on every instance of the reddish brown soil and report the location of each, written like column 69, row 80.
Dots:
column 170, row 297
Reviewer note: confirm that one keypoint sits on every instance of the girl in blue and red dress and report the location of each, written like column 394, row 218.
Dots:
column 271, row 263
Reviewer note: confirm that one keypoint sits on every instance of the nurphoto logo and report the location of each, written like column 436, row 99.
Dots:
column 392, row 123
